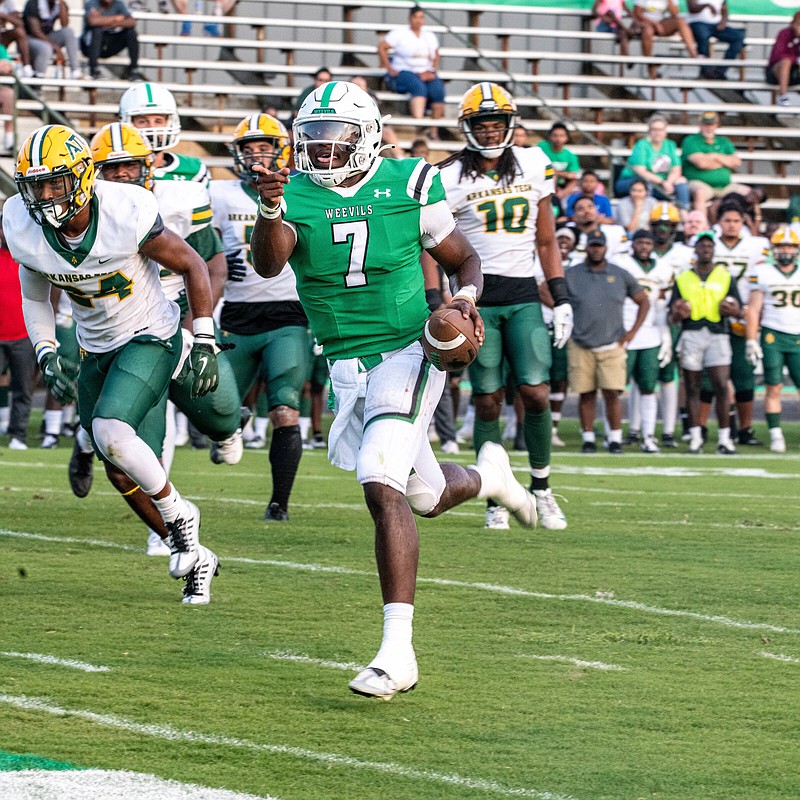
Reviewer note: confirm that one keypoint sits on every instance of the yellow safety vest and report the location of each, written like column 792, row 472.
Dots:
column 704, row 296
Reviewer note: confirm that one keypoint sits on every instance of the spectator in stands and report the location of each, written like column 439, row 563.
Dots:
column 633, row 211
column 7, row 103
column 782, row 69
column 708, row 20
column 321, row 76
column 608, row 19
column 221, row 8
column 655, row 159
column 587, row 187
column 661, row 18
column 694, row 222
column 35, row 56
column 520, row 137
column 708, row 161
column 16, row 350
column 566, row 167
column 410, row 56
column 109, row 29
column 388, row 136
column 419, row 149
column 596, row 351
column 40, row 18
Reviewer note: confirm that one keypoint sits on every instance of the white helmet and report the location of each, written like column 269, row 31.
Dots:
column 151, row 98
column 339, row 115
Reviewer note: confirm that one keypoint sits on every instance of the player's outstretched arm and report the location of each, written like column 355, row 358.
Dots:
column 272, row 242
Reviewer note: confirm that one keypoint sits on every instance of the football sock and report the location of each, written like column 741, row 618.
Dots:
column 5, row 414
column 305, row 427
column 634, row 408
column 84, row 440
column 556, row 417
column 588, row 436
column 669, row 408
column 485, row 431
column 397, row 632
column 260, row 427
column 52, row 422
column 540, row 479
column 285, row 451
column 168, row 447
column 170, row 507
column 615, row 436
column 537, row 427
column 67, row 415
column 773, row 420
column 649, row 406
column 181, row 424
column 724, row 436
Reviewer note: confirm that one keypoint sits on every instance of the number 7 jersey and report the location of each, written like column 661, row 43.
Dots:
column 357, row 253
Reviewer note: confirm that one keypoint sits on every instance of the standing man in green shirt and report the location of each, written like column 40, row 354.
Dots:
column 708, row 161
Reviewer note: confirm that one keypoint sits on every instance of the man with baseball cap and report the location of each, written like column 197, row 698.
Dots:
column 708, row 161
column 596, row 354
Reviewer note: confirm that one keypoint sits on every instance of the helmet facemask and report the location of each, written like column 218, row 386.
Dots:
column 242, row 162
column 486, row 142
column 139, row 171
column 51, row 198
column 331, row 150
column 785, row 254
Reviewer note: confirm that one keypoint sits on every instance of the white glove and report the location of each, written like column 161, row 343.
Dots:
column 665, row 351
column 562, row 324
column 753, row 352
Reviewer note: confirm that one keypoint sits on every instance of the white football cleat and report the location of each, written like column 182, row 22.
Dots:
column 156, row 546
column 183, row 541
column 499, row 483
column 228, row 451
column 778, row 443
column 551, row 516
column 16, row 444
column 197, row 591
column 256, row 443
column 375, row 681
column 556, row 440
column 649, row 446
column 451, row 448
column 497, row 518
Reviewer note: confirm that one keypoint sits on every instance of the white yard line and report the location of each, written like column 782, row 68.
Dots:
column 575, row 661
column 781, row 657
column 168, row 733
column 715, row 619
column 42, row 658
column 287, row 655
column 724, row 525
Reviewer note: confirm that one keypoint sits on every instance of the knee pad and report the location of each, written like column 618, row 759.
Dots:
column 706, row 396
column 421, row 496
column 745, row 396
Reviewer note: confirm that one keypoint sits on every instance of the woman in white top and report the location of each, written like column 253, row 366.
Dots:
column 410, row 56
column 661, row 18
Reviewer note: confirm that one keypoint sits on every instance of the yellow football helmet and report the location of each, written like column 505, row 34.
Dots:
column 55, row 174
column 484, row 102
column 120, row 143
column 665, row 212
column 785, row 246
column 259, row 128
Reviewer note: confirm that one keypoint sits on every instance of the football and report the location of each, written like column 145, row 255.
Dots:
column 449, row 340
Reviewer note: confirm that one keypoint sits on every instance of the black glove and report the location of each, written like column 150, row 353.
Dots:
column 237, row 269
column 59, row 375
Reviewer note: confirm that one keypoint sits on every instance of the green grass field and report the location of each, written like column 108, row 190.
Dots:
column 651, row 650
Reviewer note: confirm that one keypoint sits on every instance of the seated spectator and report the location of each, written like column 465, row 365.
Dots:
column 419, row 149
column 708, row 20
column 221, row 8
column 661, row 18
column 321, row 76
column 708, row 161
column 7, row 102
column 782, row 70
column 608, row 19
column 520, row 138
column 388, row 136
column 410, row 56
column 40, row 17
column 633, row 211
column 655, row 159
column 109, row 29
column 695, row 222
column 566, row 166
column 35, row 56
column 587, row 187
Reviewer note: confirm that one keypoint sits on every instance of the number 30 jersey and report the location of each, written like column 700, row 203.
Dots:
column 500, row 222
column 115, row 291
column 781, row 291
column 357, row 253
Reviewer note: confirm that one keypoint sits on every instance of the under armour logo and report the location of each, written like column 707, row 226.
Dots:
column 383, row 193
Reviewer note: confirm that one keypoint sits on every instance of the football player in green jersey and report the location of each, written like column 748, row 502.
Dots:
column 353, row 225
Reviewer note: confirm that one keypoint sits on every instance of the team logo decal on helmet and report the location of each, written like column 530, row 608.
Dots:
column 120, row 143
column 55, row 174
column 485, row 102
column 259, row 128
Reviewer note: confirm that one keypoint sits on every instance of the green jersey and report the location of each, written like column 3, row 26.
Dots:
column 357, row 256
column 178, row 167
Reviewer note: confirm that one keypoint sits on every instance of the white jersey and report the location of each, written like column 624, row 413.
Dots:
column 617, row 243
column 235, row 207
column 656, row 282
column 741, row 260
column 115, row 291
column 781, row 292
column 500, row 221
column 185, row 208
column 677, row 259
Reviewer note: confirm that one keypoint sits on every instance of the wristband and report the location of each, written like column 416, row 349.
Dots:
column 267, row 212
column 203, row 326
column 558, row 290
column 43, row 348
column 468, row 293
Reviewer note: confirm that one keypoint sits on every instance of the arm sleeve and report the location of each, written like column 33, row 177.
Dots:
column 436, row 223
column 39, row 316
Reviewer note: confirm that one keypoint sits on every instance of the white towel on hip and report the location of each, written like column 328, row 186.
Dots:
column 349, row 386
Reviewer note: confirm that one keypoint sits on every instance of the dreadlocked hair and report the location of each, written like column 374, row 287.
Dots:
column 472, row 165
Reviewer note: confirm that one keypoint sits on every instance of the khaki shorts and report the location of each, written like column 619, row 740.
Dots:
column 589, row 371
column 701, row 348
column 731, row 187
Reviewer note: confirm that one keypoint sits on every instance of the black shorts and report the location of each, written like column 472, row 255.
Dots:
column 794, row 76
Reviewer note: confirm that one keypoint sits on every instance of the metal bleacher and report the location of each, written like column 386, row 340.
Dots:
column 555, row 64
